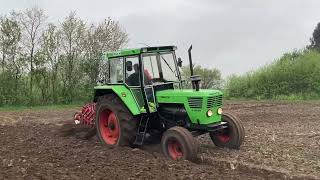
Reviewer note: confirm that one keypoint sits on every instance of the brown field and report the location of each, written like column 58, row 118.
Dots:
column 282, row 142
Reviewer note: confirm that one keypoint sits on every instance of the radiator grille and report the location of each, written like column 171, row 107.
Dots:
column 195, row 102
column 214, row 101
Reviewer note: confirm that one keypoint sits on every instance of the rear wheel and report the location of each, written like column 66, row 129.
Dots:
column 178, row 143
column 230, row 137
column 114, row 123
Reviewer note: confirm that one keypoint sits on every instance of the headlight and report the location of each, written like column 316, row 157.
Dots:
column 209, row 113
column 219, row 111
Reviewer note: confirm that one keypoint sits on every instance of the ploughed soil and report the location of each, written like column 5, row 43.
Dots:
column 282, row 142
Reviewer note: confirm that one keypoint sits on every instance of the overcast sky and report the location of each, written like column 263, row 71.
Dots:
column 234, row 36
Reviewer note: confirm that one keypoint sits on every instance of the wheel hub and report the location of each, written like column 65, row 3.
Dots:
column 109, row 127
column 112, row 126
column 175, row 149
column 224, row 138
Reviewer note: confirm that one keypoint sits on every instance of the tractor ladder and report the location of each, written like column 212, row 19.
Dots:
column 142, row 129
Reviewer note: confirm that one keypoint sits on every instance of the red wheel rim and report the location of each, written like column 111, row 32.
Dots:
column 175, row 149
column 224, row 135
column 109, row 127
column 224, row 138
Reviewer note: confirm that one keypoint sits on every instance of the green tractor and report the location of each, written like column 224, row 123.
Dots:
column 143, row 99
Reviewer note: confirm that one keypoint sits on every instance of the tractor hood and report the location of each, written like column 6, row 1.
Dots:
column 179, row 95
column 196, row 103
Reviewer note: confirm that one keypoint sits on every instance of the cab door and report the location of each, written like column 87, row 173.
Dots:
column 150, row 72
column 132, row 80
column 139, row 81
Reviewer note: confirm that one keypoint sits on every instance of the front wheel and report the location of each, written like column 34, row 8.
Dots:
column 178, row 144
column 230, row 137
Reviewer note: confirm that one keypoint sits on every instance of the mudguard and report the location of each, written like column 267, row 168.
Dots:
column 123, row 92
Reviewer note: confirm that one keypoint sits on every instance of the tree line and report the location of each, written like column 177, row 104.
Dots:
column 49, row 63
column 294, row 76
column 59, row 63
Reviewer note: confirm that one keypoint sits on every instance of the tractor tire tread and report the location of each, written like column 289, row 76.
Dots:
column 190, row 142
column 237, row 139
column 239, row 124
column 128, row 123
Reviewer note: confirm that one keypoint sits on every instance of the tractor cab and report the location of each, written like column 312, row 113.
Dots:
column 144, row 71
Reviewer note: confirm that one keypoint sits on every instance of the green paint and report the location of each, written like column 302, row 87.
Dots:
column 128, row 99
column 123, row 52
column 188, row 93
column 195, row 115
column 137, row 51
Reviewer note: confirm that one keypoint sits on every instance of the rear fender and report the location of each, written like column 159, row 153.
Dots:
column 123, row 92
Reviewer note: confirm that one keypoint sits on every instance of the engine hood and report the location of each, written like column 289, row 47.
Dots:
column 179, row 95
column 196, row 103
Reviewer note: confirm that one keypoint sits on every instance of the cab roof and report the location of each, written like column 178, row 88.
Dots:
column 136, row 51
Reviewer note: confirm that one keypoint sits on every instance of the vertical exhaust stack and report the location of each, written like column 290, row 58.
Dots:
column 195, row 79
column 190, row 60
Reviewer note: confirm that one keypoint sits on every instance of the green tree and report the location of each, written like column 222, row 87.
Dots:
column 72, row 44
column 50, row 47
column 106, row 36
column 12, row 65
column 210, row 78
column 31, row 22
column 42, row 63
column 315, row 40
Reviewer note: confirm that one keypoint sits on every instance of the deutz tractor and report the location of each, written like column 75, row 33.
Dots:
column 143, row 99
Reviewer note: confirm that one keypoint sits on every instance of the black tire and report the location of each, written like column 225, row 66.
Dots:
column 126, row 121
column 233, row 136
column 188, row 145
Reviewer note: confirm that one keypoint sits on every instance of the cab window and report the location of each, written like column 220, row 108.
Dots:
column 132, row 71
column 151, row 66
column 116, row 70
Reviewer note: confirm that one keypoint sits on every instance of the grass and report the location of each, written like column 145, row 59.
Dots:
column 39, row 107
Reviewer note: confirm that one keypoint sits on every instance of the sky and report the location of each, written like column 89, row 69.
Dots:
column 234, row 36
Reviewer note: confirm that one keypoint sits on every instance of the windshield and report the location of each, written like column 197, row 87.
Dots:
column 160, row 67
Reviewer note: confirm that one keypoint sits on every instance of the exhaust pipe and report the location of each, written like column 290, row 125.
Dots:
column 190, row 60
column 195, row 79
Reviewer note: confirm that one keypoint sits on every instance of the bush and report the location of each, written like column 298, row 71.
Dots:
column 295, row 76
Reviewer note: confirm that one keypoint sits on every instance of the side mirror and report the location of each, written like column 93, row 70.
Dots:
column 179, row 63
column 129, row 65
